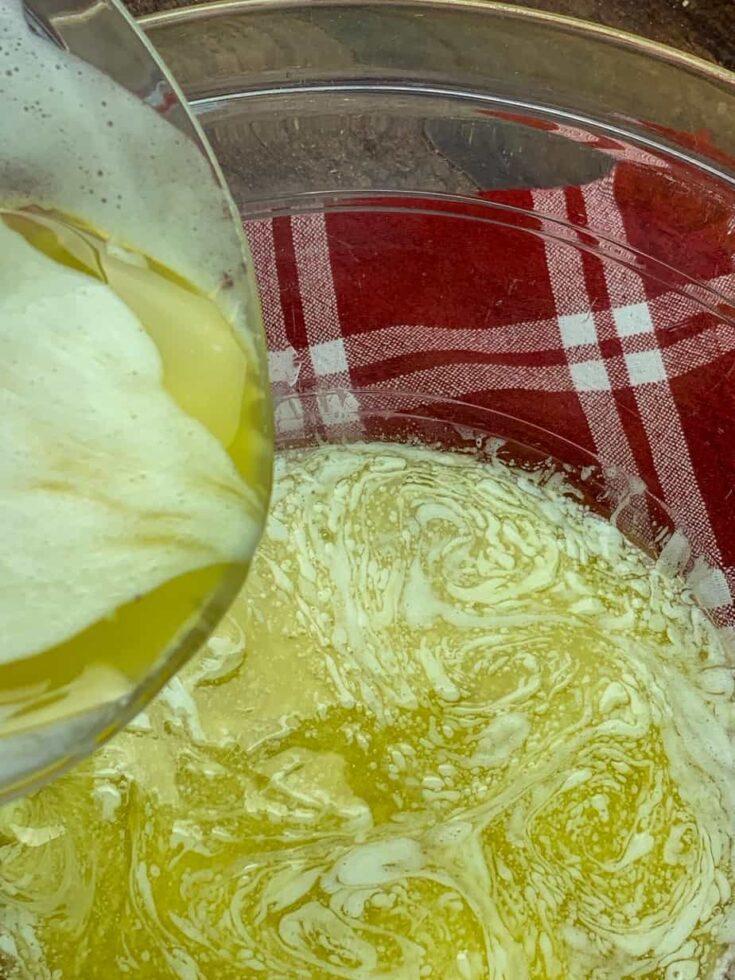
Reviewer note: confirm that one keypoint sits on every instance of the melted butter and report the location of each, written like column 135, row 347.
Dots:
column 455, row 726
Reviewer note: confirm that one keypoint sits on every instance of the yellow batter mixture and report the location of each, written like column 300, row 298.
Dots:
column 455, row 727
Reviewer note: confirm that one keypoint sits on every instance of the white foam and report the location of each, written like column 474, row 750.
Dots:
column 107, row 489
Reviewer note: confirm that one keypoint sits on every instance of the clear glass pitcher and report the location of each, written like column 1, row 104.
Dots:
column 94, row 129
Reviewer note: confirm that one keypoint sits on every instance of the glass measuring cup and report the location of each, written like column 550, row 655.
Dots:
column 106, row 172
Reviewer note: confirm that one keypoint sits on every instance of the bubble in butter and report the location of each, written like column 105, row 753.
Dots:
column 456, row 726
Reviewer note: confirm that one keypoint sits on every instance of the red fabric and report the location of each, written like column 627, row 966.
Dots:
column 635, row 365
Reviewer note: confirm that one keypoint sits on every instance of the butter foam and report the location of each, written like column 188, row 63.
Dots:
column 107, row 489
column 110, row 488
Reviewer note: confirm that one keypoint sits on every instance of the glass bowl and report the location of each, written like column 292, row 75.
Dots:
column 494, row 230
column 469, row 208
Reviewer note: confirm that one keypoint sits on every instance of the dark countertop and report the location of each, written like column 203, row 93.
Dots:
column 702, row 27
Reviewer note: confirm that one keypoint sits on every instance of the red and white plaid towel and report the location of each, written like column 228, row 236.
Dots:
column 624, row 365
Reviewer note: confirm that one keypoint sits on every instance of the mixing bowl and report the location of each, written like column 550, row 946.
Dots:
column 494, row 230
column 526, row 214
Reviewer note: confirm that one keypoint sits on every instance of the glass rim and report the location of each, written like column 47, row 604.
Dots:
column 710, row 70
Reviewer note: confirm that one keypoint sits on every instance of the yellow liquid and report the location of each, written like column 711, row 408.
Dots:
column 454, row 727
column 209, row 378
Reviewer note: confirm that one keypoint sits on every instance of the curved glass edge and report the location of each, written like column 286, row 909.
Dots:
column 634, row 86
column 201, row 11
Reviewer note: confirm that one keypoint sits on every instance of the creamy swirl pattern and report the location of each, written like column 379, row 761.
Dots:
column 455, row 727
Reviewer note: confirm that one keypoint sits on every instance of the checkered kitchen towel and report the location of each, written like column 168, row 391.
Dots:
column 638, row 372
